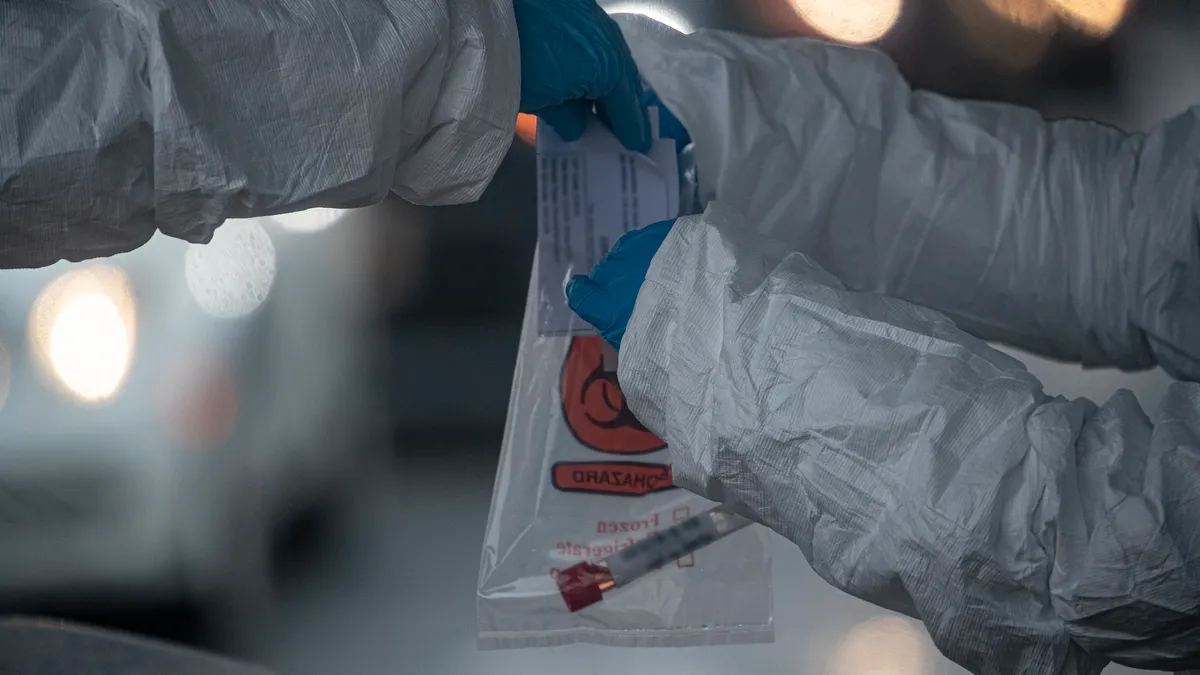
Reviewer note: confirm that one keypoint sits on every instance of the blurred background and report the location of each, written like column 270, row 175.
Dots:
column 281, row 446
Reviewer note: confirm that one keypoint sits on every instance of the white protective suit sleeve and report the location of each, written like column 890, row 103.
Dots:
column 123, row 118
column 1068, row 239
column 917, row 467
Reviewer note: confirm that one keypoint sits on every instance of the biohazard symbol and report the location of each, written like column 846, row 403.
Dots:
column 593, row 405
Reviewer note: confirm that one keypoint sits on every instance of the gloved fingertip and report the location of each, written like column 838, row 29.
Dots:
column 627, row 115
column 569, row 132
column 579, row 289
column 614, row 338
column 573, row 283
column 568, row 120
column 644, row 146
column 641, row 141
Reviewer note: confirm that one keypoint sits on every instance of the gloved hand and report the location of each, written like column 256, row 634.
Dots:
column 573, row 55
column 606, row 298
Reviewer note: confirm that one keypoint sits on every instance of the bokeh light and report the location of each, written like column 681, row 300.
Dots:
column 884, row 645
column 83, row 329
column 1035, row 14
column 1098, row 18
column 850, row 21
column 231, row 276
column 197, row 399
column 663, row 15
column 311, row 220
column 1015, row 34
column 89, row 346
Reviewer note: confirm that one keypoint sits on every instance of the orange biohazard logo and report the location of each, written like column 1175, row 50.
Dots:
column 593, row 405
column 633, row 479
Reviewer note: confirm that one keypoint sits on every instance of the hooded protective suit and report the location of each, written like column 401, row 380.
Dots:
column 915, row 466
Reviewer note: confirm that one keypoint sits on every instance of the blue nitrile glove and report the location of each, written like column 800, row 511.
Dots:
column 573, row 55
column 606, row 297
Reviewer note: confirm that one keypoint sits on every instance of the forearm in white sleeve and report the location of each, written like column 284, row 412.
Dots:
column 120, row 119
column 1068, row 239
column 915, row 466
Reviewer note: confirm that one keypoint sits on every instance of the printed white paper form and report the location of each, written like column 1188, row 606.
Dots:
column 591, row 192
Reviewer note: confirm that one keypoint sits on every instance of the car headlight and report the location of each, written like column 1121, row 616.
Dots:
column 83, row 330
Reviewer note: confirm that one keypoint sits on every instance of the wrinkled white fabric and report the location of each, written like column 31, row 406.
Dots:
column 129, row 116
column 917, row 467
column 1068, row 239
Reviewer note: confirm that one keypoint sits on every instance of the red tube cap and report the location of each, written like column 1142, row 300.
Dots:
column 580, row 585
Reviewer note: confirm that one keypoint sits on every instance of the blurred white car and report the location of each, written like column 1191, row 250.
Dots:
column 163, row 411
